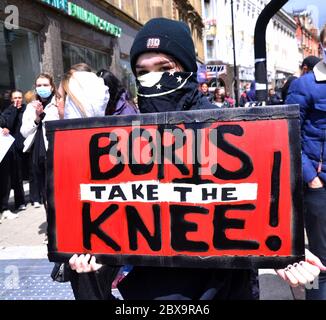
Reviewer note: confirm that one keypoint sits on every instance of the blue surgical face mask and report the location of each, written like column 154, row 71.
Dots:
column 44, row 92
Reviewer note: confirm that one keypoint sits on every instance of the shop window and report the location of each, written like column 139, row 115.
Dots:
column 19, row 62
column 129, row 7
column 127, row 78
column 73, row 54
column 207, row 9
column 156, row 8
column 210, row 50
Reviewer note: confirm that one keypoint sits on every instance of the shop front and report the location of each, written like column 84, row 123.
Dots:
column 52, row 35
column 19, row 61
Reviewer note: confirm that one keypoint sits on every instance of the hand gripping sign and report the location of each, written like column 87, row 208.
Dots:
column 210, row 188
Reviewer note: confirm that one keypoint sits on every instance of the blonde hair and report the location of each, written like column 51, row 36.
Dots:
column 29, row 96
column 65, row 85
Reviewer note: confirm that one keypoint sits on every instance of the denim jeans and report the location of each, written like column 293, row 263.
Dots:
column 315, row 223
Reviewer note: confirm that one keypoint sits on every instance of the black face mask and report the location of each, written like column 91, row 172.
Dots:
column 166, row 91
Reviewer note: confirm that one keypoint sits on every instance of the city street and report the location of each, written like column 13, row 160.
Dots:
column 25, row 270
column 177, row 134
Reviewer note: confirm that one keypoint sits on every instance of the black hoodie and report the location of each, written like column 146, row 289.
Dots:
column 166, row 283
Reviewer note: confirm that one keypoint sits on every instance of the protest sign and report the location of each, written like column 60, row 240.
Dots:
column 5, row 143
column 209, row 188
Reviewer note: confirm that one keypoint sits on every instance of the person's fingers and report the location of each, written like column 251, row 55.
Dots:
column 314, row 260
column 94, row 265
column 36, row 104
column 294, row 271
column 314, row 270
column 290, row 278
column 79, row 267
column 5, row 131
column 287, row 276
column 72, row 262
column 281, row 273
column 304, row 272
column 85, row 263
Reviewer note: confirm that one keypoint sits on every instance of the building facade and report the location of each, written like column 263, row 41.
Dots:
column 307, row 34
column 52, row 35
column 189, row 11
column 282, row 50
column 218, row 45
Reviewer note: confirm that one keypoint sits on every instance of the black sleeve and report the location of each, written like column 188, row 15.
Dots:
column 94, row 285
column 9, row 114
column 2, row 122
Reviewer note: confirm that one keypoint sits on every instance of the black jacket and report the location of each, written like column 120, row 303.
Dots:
column 164, row 283
column 154, row 283
column 2, row 121
column 13, row 121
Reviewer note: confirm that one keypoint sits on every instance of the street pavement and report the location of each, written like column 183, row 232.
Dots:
column 25, row 270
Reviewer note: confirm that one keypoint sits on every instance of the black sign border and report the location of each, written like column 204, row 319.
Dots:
column 289, row 112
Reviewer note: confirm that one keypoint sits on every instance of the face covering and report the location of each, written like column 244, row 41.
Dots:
column 44, row 92
column 166, row 91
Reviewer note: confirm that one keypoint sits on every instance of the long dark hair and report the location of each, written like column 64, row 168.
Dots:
column 116, row 89
column 322, row 34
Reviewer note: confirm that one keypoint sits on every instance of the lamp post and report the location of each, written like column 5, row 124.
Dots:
column 260, row 47
column 235, row 74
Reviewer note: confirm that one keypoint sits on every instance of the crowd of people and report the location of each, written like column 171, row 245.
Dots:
column 276, row 96
column 83, row 93
column 92, row 280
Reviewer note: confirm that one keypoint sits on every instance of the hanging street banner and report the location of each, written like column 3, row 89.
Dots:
column 209, row 188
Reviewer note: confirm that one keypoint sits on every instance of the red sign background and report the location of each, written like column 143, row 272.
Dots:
column 259, row 141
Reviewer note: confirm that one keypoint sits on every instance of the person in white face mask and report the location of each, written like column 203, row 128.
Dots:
column 84, row 93
column 310, row 92
column 163, row 60
column 44, row 108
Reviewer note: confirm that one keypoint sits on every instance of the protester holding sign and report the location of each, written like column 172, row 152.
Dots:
column 11, row 168
column 36, row 113
column 5, row 213
column 163, row 60
column 310, row 92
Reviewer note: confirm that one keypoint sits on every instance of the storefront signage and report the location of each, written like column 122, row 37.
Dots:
column 214, row 70
column 246, row 73
column 178, row 189
column 84, row 15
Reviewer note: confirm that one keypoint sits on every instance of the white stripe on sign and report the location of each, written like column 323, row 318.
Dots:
column 153, row 191
column 260, row 60
column 261, row 86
